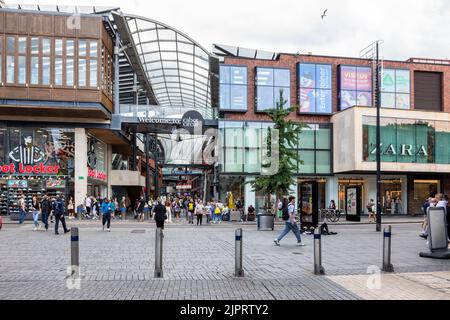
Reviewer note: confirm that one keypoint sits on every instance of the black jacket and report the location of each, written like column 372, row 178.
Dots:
column 46, row 206
column 160, row 212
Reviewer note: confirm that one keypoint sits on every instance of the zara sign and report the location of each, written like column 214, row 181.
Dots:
column 402, row 150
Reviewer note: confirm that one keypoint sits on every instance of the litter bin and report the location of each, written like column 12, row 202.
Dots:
column 265, row 221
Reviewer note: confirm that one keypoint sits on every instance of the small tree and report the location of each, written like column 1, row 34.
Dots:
column 288, row 132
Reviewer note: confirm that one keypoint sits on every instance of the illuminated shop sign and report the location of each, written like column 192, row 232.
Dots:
column 97, row 174
column 23, row 168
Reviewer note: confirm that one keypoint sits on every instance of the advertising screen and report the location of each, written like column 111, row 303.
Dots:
column 307, row 100
column 348, row 78
column 352, row 202
column 388, row 80
column 323, row 101
column 402, row 82
column 348, row 99
column 323, row 76
column 307, row 76
column 364, row 79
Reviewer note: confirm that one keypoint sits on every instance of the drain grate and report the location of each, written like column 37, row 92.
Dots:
column 294, row 252
column 138, row 231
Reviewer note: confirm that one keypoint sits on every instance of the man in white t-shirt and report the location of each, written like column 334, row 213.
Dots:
column 88, row 204
column 289, row 215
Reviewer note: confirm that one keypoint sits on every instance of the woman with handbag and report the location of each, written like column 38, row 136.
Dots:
column 199, row 212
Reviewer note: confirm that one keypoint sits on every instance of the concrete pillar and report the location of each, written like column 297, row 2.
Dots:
column 370, row 192
column 109, row 168
column 331, row 192
column 250, row 196
column 404, row 195
column 81, row 170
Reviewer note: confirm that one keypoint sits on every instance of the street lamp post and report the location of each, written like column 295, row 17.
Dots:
column 372, row 52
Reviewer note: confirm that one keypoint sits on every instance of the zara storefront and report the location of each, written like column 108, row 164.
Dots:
column 414, row 154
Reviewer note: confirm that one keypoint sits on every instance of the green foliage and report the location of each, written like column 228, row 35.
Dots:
column 280, row 182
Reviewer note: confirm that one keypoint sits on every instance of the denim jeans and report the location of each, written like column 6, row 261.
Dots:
column 36, row 218
column 288, row 227
column 22, row 215
column 44, row 219
column 217, row 217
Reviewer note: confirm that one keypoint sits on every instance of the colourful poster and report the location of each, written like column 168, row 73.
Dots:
column 348, row 99
column 348, row 78
column 351, row 201
column 307, row 75
column 364, row 99
column 387, row 100
column 388, row 80
column 323, row 101
column 402, row 82
column 364, row 79
column 307, row 100
column 323, row 76
column 402, row 101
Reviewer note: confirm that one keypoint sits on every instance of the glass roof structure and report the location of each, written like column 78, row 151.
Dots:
column 178, row 69
column 232, row 51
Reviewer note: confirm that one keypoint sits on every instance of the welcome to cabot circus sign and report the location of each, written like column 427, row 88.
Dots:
column 190, row 121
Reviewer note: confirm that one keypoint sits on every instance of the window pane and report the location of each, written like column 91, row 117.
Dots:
column 364, row 79
column 82, row 72
column 307, row 138
column 34, row 70
column 348, row 99
column 348, row 78
column 69, row 72
column 10, row 46
column 387, row 100
column 22, row 45
column 307, row 100
column 402, row 101
column 58, row 47
column 282, row 78
column 364, row 99
column 22, row 70
column 225, row 96
column 10, row 69
column 307, row 75
column 388, row 80
column 264, row 76
column 46, row 46
column 82, row 47
column 238, row 75
column 264, row 99
column 286, row 96
column 58, row 71
column 323, row 101
column 238, row 97
column 224, row 74
column 69, row 47
column 93, row 49
column 93, row 72
column 308, row 161
column 34, row 45
column 402, row 82
column 323, row 76
column 46, row 71
column 252, row 162
column 323, row 159
column 323, row 138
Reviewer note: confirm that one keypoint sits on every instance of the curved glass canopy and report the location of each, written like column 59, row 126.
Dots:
column 178, row 69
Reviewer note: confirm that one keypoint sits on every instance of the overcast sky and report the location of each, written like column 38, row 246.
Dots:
column 409, row 28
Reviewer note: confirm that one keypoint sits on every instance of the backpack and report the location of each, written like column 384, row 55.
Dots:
column 59, row 209
column 217, row 210
column 285, row 214
column 191, row 206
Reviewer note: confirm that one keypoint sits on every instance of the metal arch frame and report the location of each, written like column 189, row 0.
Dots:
column 198, row 95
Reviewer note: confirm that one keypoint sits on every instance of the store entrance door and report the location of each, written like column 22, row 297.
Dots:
column 423, row 189
column 308, row 203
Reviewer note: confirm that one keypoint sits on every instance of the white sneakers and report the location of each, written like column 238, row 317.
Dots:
column 301, row 244
column 277, row 243
column 108, row 229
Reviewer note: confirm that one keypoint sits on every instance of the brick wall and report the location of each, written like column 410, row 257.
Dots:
column 290, row 61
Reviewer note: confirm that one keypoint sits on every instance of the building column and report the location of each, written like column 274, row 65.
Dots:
column 331, row 190
column 249, row 194
column 81, row 170
column 370, row 192
column 109, row 168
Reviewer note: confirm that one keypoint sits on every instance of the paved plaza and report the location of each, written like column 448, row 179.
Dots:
column 199, row 264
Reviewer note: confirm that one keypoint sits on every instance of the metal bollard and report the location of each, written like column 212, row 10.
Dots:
column 238, row 270
column 318, row 269
column 387, row 265
column 74, row 251
column 158, row 253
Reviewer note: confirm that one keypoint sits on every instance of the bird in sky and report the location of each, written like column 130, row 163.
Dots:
column 324, row 13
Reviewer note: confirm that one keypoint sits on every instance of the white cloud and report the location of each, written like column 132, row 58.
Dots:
column 409, row 28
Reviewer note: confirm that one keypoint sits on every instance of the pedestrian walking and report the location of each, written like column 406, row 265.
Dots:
column 45, row 210
column 290, row 223
column 160, row 214
column 169, row 211
column 22, row 209
column 88, row 204
column 199, row 212
column 191, row 210
column 70, row 208
column 370, row 210
column 123, row 208
column 177, row 210
column 217, row 213
column 59, row 210
column 107, row 210
column 36, row 211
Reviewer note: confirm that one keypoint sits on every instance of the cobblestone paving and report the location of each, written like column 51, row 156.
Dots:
column 199, row 262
